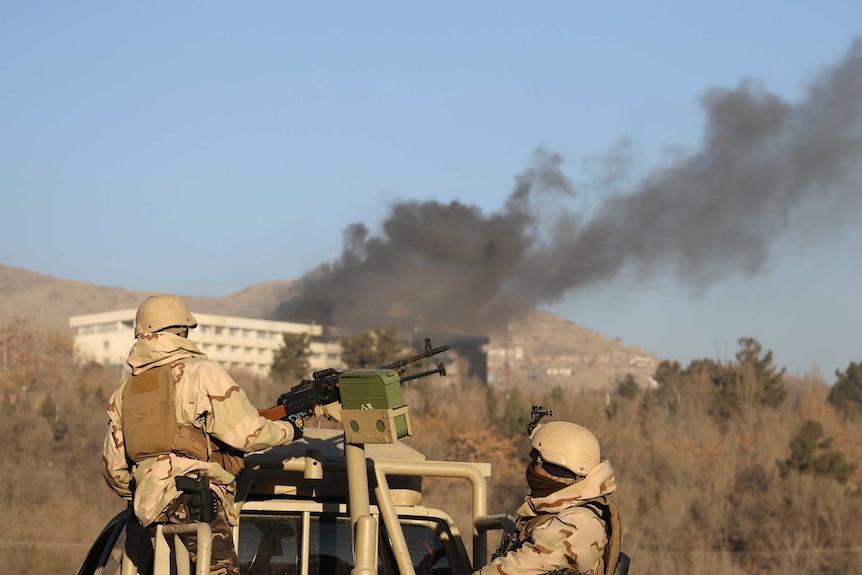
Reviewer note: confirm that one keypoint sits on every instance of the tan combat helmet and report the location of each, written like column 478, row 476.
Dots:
column 161, row 311
column 567, row 445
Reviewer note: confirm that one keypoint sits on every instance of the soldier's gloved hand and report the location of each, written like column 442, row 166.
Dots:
column 296, row 421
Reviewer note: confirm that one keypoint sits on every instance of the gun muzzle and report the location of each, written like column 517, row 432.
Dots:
column 441, row 369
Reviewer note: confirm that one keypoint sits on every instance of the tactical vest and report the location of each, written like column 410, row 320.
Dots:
column 614, row 561
column 150, row 426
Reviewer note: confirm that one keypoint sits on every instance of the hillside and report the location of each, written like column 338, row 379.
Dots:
column 49, row 301
column 539, row 351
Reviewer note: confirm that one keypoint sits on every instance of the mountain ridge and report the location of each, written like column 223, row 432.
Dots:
column 539, row 348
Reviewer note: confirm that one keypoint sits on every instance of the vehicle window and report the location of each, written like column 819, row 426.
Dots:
column 331, row 549
column 269, row 544
column 425, row 545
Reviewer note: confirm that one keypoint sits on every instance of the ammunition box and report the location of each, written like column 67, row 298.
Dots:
column 375, row 389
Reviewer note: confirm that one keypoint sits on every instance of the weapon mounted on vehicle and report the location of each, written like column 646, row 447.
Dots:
column 322, row 394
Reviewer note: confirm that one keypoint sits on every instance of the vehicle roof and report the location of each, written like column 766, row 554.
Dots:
column 272, row 473
column 331, row 443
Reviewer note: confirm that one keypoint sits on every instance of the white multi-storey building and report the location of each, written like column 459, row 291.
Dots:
column 235, row 342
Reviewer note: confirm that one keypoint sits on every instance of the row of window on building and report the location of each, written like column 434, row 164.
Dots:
column 102, row 327
column 201, row 329
column 239, row 332
column 261, row 351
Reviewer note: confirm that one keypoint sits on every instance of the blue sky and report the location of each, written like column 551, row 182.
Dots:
column 199, row 148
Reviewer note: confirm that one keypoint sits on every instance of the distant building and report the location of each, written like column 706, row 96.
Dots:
column 234, row 342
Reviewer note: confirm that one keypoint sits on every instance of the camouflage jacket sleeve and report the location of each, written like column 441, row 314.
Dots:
column 233, row 419
column 573, row 541
column 115, row 468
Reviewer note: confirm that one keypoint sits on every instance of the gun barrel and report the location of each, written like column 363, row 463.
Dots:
column 441, row 369
column 427, row 353
column 303, row 398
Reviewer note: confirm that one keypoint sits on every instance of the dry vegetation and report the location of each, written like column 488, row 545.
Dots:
column 699, row 494
column 54, row 501
column 701, row 489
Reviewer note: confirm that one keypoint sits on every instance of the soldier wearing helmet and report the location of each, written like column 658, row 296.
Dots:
column 178, row 428
column 564, row 524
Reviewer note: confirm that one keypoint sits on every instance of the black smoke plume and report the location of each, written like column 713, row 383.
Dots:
column 708, row 215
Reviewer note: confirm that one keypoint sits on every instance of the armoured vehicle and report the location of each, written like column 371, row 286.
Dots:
column 338, row 501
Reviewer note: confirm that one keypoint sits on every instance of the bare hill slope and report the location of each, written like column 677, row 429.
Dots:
column 540, row 351
column 49, row 301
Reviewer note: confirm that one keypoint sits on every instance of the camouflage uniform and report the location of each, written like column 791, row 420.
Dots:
column 207, row 398
column 559, row 533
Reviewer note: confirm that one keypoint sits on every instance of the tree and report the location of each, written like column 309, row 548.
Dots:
column 48, row 409
column 290, row 361
column 669, row 375
column 627, row 391
column 759, row 382
column 371, row 349
column 750, row 381
column 809, row 453
column 846, row 394
column 676, row 385
column 516, row 414
column 512, row 423
column 388, row 347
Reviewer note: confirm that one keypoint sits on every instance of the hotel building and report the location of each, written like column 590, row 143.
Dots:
column 237, row 343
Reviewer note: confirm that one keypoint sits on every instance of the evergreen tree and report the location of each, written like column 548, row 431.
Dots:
column 358, row 351
column 388, row 346
column 628, row 387
column 668, row 375
column 48, row 409
column 810, row 453
column 846, row 394
column 371, row 349
column 627, row 392
column 752, row 380
column 759, row 382
column 514, row 420
column 290, row 361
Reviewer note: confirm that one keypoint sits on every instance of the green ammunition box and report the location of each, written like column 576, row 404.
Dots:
column 371, row 389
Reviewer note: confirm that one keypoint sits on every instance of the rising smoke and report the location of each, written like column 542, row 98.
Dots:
column 706, row 216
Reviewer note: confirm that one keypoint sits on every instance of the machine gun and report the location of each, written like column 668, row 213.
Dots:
column 311, row 397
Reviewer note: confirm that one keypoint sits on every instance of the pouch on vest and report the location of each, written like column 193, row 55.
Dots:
column 231, row 459
column 149, row 419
